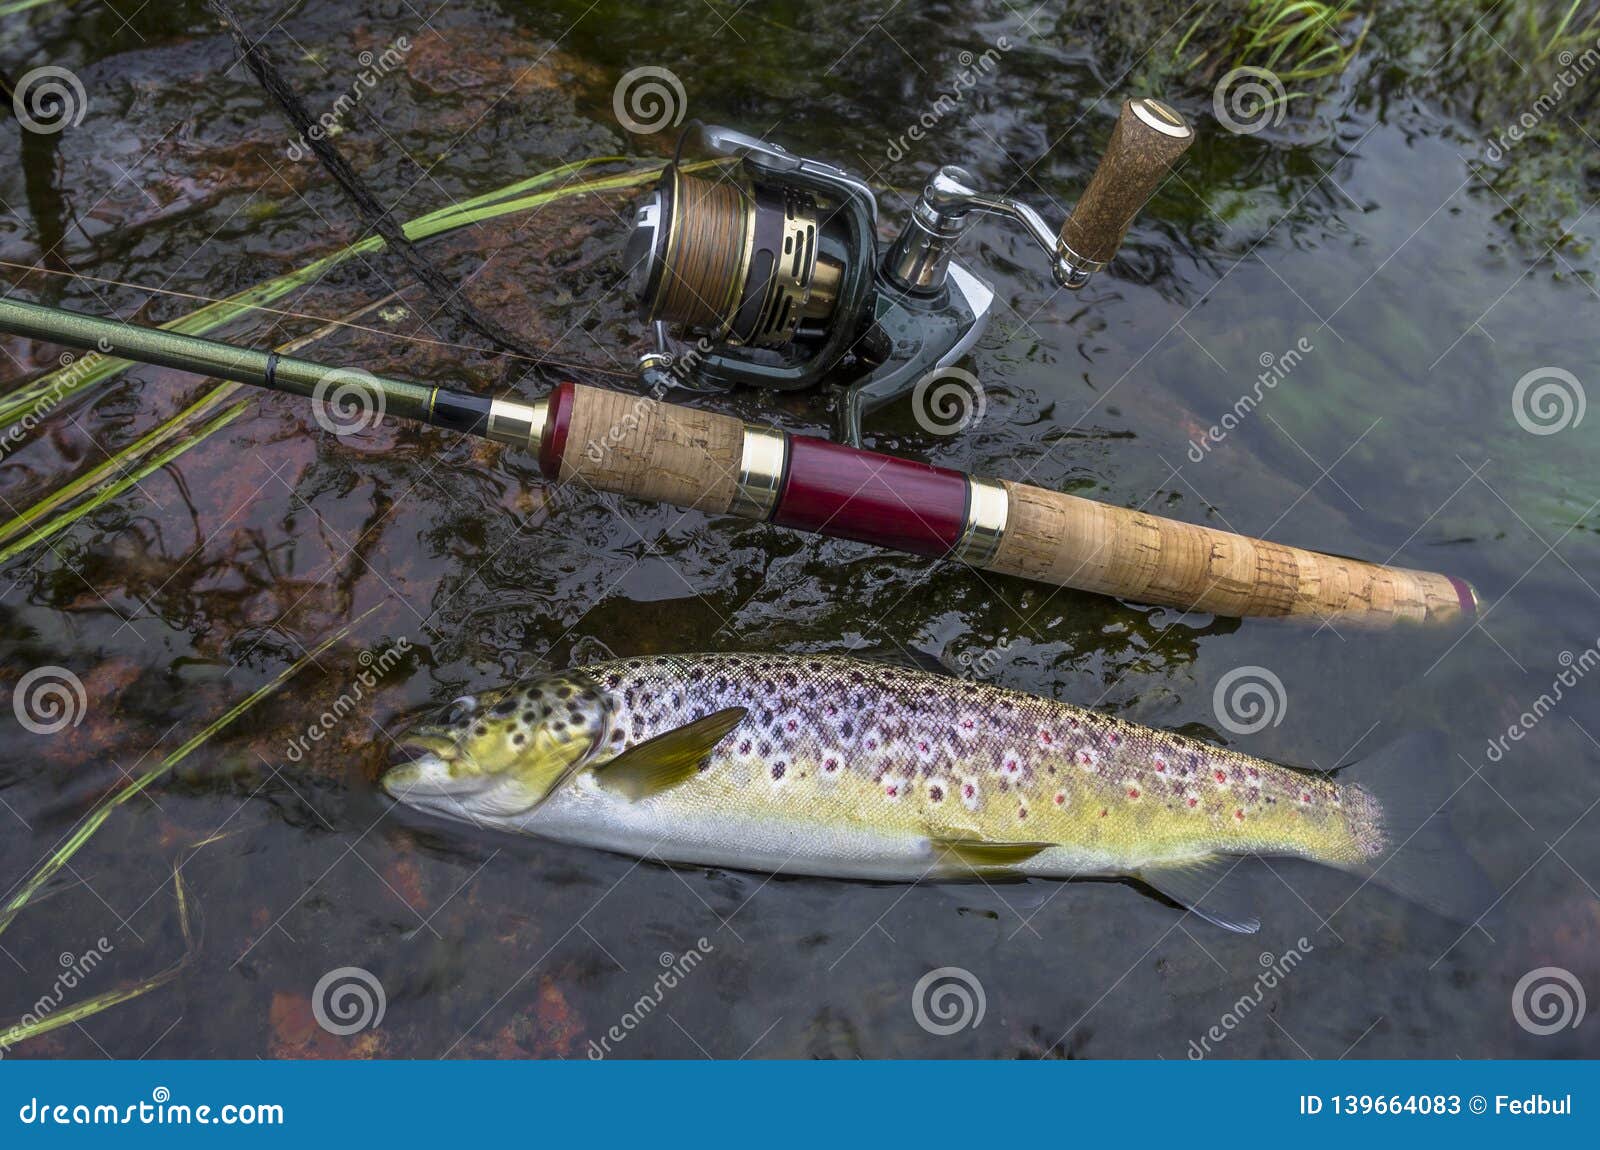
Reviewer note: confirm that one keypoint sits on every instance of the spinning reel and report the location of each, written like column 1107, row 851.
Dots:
column 772, row 275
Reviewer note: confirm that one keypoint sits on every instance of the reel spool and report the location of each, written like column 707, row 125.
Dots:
column 739, row 260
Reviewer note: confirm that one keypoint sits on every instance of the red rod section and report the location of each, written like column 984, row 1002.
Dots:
column 853, row 494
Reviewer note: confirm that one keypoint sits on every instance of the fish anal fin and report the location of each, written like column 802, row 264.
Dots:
column 1212, row 888
column 982, row 856
column 670, row 758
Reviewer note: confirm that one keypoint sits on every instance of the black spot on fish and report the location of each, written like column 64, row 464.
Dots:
column 766, row 749
column 563, row 692
column 778, row 770
column 518, row 739
column 505, row 706
column 936, row 793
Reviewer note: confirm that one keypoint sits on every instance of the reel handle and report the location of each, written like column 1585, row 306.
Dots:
column 1147, row 141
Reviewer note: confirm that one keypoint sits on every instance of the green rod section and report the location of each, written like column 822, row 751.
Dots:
column 341, row 385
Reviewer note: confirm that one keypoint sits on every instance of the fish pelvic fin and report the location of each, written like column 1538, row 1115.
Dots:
column 982, row 857
column 1400, row 797
column 1212, row 887
column 670, row 758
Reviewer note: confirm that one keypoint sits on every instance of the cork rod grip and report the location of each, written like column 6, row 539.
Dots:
column 1147, row 141
column 1076, row 542
column 636, row 446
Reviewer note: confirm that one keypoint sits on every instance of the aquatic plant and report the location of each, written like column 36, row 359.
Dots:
column 1297, row 40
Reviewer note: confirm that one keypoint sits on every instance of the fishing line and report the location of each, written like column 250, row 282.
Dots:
column 34, row 269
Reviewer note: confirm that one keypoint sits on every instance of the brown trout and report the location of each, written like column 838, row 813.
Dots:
column 837, row 766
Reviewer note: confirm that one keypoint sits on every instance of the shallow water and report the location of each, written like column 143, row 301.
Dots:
column 1353, row 226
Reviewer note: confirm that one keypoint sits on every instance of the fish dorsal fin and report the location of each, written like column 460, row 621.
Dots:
column 1212, row 888
column 984, row 857
column 663, row 762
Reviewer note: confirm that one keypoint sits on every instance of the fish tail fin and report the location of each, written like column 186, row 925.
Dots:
column 1399, row 799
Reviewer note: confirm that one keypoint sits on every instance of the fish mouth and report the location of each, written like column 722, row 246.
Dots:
column 419, row 767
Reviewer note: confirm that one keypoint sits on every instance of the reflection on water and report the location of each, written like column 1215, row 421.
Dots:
column 1351, row 230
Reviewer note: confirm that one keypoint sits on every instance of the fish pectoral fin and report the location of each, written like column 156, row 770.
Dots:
column 1212, row 888
column 982, row 856
column 670, row 758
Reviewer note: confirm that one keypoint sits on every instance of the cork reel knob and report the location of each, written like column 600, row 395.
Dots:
column 1147, row 141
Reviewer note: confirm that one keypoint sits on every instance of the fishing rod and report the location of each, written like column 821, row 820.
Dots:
column 632, row 445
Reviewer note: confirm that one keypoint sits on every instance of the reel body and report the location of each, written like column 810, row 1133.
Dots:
column 770, row 267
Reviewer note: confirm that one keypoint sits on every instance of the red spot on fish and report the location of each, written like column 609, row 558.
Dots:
column 1133, row 792
column 1046, row 738
column 1103, row 812
column 1239, row 815
column 891, row 790
column 1194, row 802
column 1161, row 765
column 1305, row 798
column 1061, row 799
column 1221, row 776
column 968, row 791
